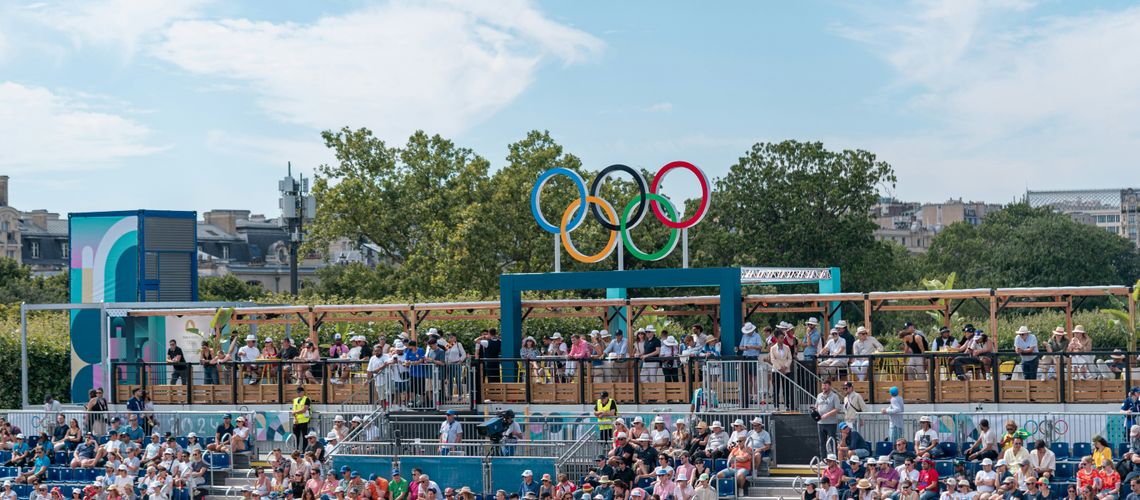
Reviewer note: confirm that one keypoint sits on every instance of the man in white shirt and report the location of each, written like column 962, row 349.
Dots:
column 377, row 369
column 985, row 481
column 761, row 443
column 153, row 449
column 450, row 432
column 1025, row 343
column 249, row 353
column 926, row 440
column 865, row 345
column 738, row 431
column 659, row 435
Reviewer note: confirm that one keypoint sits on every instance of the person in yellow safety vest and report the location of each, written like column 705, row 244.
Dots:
column 301, row 418
column 606, row 410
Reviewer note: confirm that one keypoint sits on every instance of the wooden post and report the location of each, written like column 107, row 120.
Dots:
column 1068, row 311
column 412, row 322
column 993, row 313
column 1131, row 320
column 629, row 333
column 946, row 313
column 313, row 327
column 866, row 313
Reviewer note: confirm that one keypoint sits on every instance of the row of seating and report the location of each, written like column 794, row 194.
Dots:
column 25, row 490
column 216, row 461
column 950, row 449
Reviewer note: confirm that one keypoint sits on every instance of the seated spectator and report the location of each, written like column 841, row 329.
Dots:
column 832, row 470
column 835, row 346
column 84, row 455
column 737, row 431
column 664, row 486
column 863, row 490
column 679, row 439
column 38, row 472
column 761, row 443
column 247, row 355
column 1016, row 454
column 851, row 443
column 886, row 477
column 986, row 479
column 1088, row 473
column 927, row 485
column 1102, row 452
column 717, row 444
column 1023, row 474
column 1109, row 482
column 739, row 463
column 21, row 453
column 1043, row 460
column 974, row 351
column 926, row 440
column 827, row 491
column 853, row 471
column 908, row 471
column 900, row 454
column 864, row 345
column 703, row 490
column 986, row 446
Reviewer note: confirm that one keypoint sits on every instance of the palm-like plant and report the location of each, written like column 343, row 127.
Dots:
column 1120, row 316
column 937, row 284
column 219, row 325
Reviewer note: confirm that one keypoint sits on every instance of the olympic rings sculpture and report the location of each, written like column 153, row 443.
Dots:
column 619, row 223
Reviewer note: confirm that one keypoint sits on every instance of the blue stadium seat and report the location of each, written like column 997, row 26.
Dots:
column 972, row 468
column 945, row 468
column 32, row 440
column 181, row 494
column 949, row 449
column 103, row 439
column 1121, row 449
column 67, row 475
column 1060, row 449
column 720, row 464
column 726, row 487
column 708, row 463
column 1058, row 489
column 1064, row 471
column 1081, row 450
column 182, row 441
column 644, row 482
column 5, row 456
column 210, row 440
column 61, row 457
column 910, row 446
column 882, row 448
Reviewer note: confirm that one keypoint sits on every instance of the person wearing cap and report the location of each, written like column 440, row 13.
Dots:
column 702, row 490
column 894, row 412
column 450, row 433
column 926, row 439
column 605, row 410
column 717, row 444
column 827, row 406
column 987, row 478
column 945, row 341
column 865, row 345
column 620, row 350
column 528, row 485
column 238, row 438
column 760, row 441
column 301, row 414
column 886, row 477
column 84, row 454
column 928, row 483
column 1025, row 344
column 650, row 349
column 812, row 340
column 21, row 453
column 833, row 354
column 851, row 443
column 664, row 486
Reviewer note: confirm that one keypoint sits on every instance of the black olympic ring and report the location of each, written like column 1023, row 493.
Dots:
column 641, row 187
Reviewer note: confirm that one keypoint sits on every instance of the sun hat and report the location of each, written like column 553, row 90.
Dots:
column 738, row 422
column 527, row 473
column 831, row 457
column 924, row 418
column 251, row 338
column 1023, row 330
column 812, row 321
column 716, row 425
column 748, row 328
column 987, row 461
column 841, row 324
column 650, row 328
column 1079, row 329
column 670, row 341
column 759, row 421
column 864, row 484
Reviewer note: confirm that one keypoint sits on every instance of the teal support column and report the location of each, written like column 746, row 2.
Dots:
column 834, row 285
column 617, row 314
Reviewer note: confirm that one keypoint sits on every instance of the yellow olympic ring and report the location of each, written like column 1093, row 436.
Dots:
column 569, row 245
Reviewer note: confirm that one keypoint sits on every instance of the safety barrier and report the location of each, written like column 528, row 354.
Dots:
column 959, row 428
column 481, row 474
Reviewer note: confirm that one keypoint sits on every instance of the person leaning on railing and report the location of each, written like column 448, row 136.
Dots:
column 1081, row 342
column 865, row 345
column 974, row 353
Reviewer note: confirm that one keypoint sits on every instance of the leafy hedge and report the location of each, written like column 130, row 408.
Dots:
column 49, row 356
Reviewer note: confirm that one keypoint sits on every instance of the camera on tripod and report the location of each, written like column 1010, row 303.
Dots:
column 493, row 429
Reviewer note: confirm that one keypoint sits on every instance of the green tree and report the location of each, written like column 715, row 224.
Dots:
column 799, row 204
column 228, row 288
column 1021, row 246
column 17, row 284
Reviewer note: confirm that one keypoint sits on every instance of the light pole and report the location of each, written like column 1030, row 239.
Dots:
column 297, row 206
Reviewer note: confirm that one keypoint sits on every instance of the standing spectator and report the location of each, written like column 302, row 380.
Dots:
column 96, row 411
column 651, row 348
column 670, row 352
column 209, row 361
column 915, row 345
column 780, row 357
column 301, row 413
column 812, row 342
column 456, row 358
column 895, row 413
column 1081, row 343
column 175, row 357
column 378, row 372
column 865, row 345
column 1025, row 343
column 1058, row 343
column 620, row 350
column 414, row 359
column 450, row 433
column 52, row 411
column 853, row 404
column 437, row 356
column 1131, row 407
column 827, row 405
column 605, row 410
column 487, row 351
column 579, row 351
column 750, row 347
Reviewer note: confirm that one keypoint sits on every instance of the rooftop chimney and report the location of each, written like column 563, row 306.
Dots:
column 3, row 190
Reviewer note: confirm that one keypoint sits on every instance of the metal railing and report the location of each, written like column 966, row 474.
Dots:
column 958, row 427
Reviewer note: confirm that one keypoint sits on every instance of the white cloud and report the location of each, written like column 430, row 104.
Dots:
column 45, row 131
column 395, row 68
column 1009, row 95
column 125, row 23
column 661, row 107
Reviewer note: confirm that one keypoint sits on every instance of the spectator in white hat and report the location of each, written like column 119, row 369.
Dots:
column 832, row 354
column 249, row 354
column 670, row 358
column 651, row 349
column 865, row 345
column 812, row 340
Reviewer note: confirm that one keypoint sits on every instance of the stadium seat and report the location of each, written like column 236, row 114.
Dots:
column 1081, row 450
column 726, row 487
column 218, row 460
column 945, row 468
column 103, row 439
column 1121, row 449
column 709, row 464
column 32, row 440
column 61, row 457
column 182, row 441
column 720, row 464
column 1060, row 449
column 644, row 482
column 882, row 448
column 5, row 456
column 972, row 468
column 949, row 449
column 909, row 447
column 1064, row 471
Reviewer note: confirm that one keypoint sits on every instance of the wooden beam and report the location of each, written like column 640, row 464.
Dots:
column 777, row 310
column 930, row 294
column 1068, row 290
column 804, row 297
column 909, row 307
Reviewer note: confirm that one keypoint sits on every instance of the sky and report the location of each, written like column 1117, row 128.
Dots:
column 199, row 104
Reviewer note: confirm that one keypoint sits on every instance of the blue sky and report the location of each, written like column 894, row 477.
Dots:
column 198, row 104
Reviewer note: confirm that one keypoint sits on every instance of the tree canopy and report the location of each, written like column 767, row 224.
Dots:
column 1021, row 246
